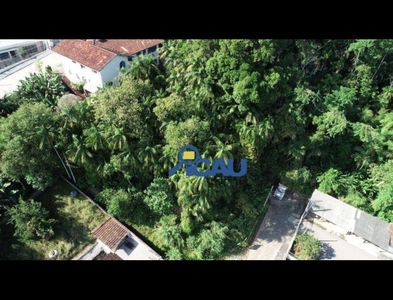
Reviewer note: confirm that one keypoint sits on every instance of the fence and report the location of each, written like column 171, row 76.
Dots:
column 308, row 206
column 259, row 220
column 87, row 197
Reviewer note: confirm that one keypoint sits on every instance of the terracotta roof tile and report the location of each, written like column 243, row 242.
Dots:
column 111, row 256
column 126, row 47
column 111, row 232
column 84, row 53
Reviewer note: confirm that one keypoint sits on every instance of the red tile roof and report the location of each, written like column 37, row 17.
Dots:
column 111, row 232
column 84, row 53
column 95, row 54
column 111, row 256
column 126, row 47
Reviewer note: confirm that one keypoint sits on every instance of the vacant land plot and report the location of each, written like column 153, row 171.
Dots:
column 75, row 218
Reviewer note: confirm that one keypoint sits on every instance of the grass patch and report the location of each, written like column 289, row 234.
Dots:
column 75, row 218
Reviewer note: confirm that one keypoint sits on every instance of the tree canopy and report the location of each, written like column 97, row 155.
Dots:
column 311, row 113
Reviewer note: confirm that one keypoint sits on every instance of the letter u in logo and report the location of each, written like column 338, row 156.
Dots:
column 243, row 168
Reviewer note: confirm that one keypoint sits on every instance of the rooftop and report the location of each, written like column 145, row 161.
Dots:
column 125, row 47
column 123, row 243
column 97, row 53
column 111, row 233
column 84, row 53
column 371, row 228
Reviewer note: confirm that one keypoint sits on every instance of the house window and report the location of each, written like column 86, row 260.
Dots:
column 31, row 49
column 74, row 62
column 4, row 56
column 82, row 66
column 94, row 71
column 13, row 54
column 123, row 64
column 151, row 50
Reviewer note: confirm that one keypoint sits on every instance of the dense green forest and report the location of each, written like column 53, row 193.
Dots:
column 308, row 113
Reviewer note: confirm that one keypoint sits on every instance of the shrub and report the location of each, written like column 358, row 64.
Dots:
column 30, row 220
column 307, row 247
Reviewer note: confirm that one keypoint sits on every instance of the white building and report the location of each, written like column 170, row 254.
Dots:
column 92, row 63
column 13, row 51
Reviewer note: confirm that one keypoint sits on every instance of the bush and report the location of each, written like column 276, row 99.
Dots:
column 307, row 247
column 30, row 220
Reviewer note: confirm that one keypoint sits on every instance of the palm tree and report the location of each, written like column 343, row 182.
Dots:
column 199, row 184
column 116, row 138
column 185, row 190
column 128, row 163
column 193, row 195
column 148, row 156
column 78, row 151
column 166, row 162
column 224, row 150
column 94, row 138
column 143, row 66
column 200, row 205
column 220, row 188
column 70, row 117
column 386, row 96
column 257, row 135
column 47, row 135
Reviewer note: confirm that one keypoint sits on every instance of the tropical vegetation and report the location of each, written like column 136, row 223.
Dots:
column 309, row 113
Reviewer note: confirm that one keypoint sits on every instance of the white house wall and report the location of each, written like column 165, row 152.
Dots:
column 93, row 82
column 78, row 73
column 111, row 70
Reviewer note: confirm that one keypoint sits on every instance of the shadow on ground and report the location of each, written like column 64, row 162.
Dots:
column 282, row 217
column 327, row 252
column 274, row 237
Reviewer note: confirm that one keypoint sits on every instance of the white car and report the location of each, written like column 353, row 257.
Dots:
column 279, row 193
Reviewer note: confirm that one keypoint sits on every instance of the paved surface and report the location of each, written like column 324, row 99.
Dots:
column 338, row 245
column 275, row 235
column 10, row 77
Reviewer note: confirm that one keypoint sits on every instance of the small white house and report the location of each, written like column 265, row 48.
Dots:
column 92, row 63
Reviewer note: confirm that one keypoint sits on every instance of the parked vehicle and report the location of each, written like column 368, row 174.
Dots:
column 279, row 193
